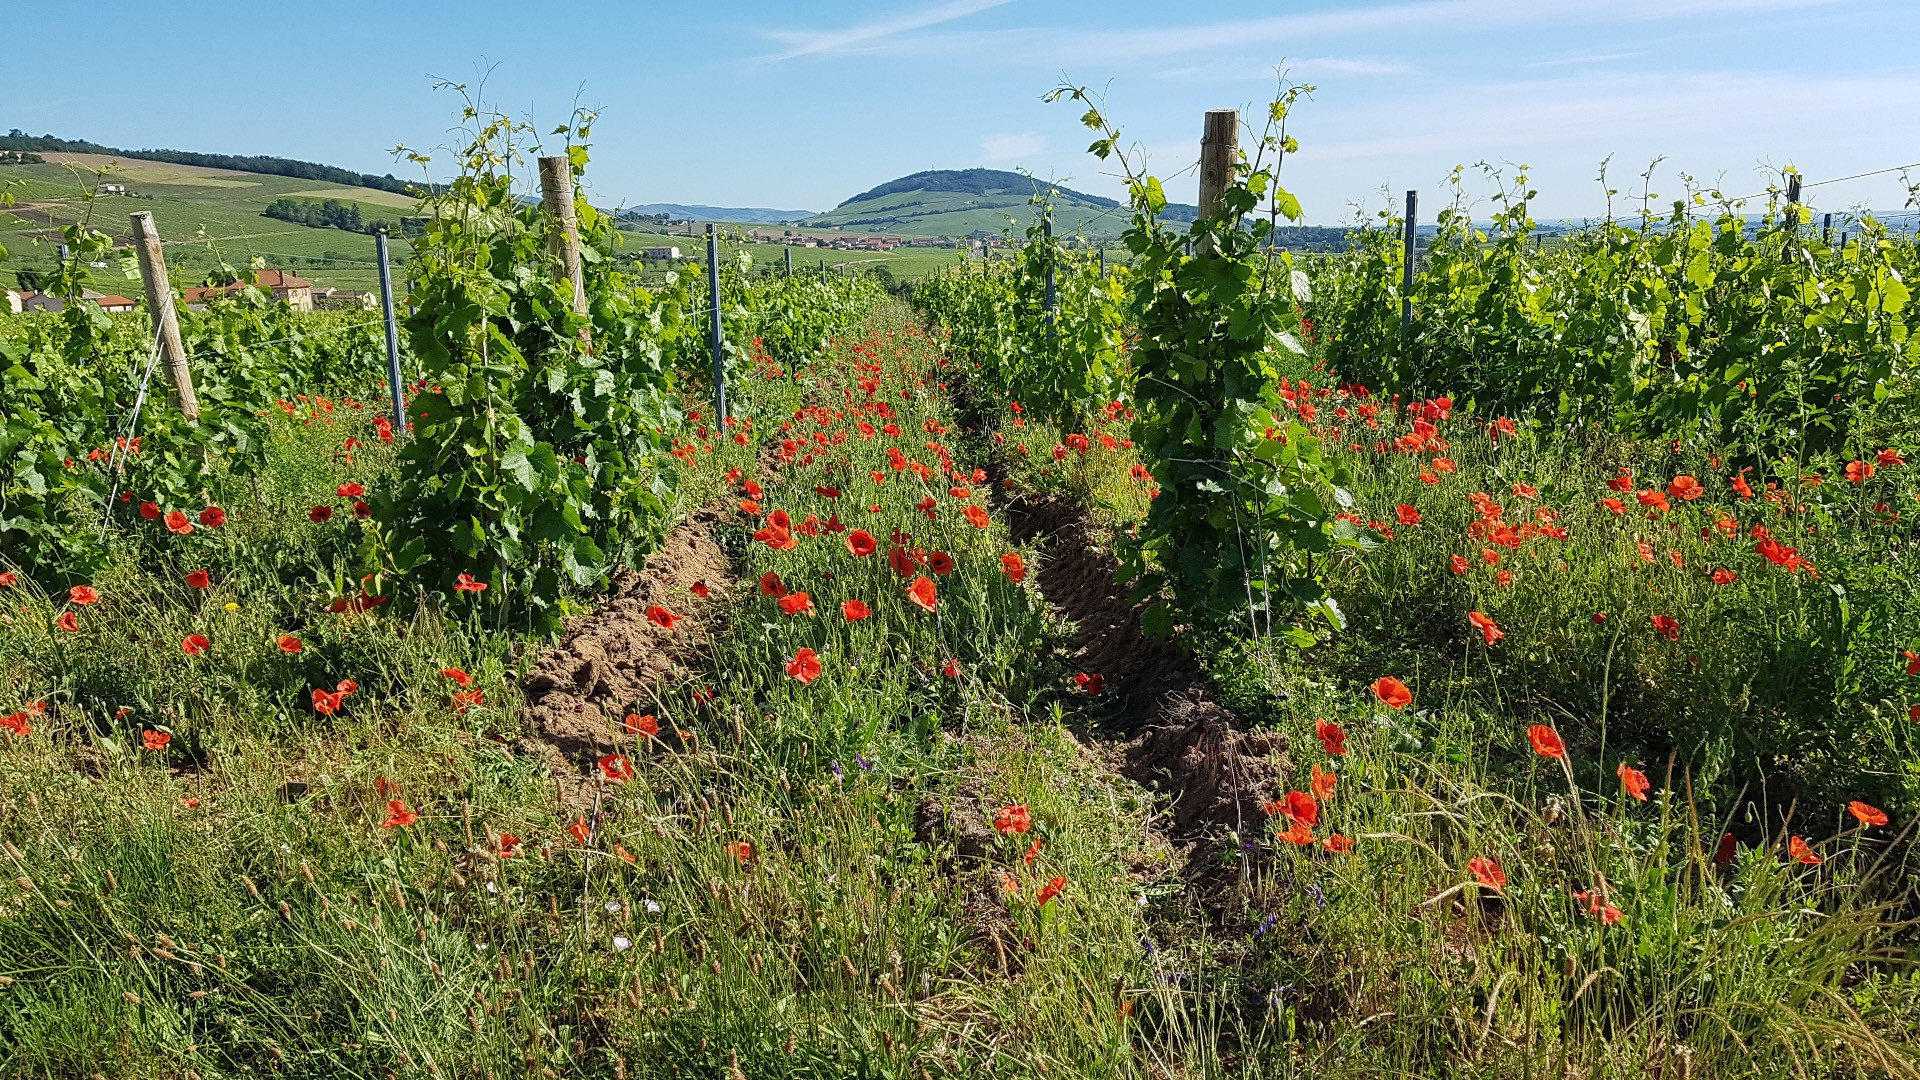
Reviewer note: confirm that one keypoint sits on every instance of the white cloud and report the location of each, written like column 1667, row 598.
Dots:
column 1012, row 147
column 869, row 37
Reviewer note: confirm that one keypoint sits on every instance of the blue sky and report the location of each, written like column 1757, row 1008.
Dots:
column 800, row 105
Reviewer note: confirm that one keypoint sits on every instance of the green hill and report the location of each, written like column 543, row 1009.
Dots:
column 964, row 202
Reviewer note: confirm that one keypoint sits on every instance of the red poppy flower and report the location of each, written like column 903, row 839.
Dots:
column 398, row 816
column 1406, row 515
column 827, row 492
column 155, row 740
column 466, row 699
column 1546, row 742
column 579, row 831
column 290, row 644
column 1338, row 844
column 749, row 507
column 213, row 517
column 699, row 589
column 1332, row 738
column 648, row 725
column 740, row 850
column 1488, row 628
column 616, row 768
column 460, row 678
column 1323, row 784
column 1014, row 819
column 195, row 644
column 1724, row 576
column 1798, row 850
column 465, row 583
column 1301, row 807
column 951, row 669
column 1297, row 832
column 1487, row 872
column 796, row 604
column 67, row 622
column 319, row 514
column 17, row 723
column 350, row 491
column 1460, row 564
column 1729, row 847
column 83, row 595
column 940, row 563
column 1668, row 627
column 8, row 579
column 327, row 702
column 862, row 543
column 1050, row 890
column 1913, row 663
column 361, row 509
column 975, row 516
column 854, row 610
column 1685, row 488
column 923, row 593
column 1867, row 815
column 509, row 846
column 661, row 617
column 1015, row 567
column 150, row 511
column 1653, row 500
column 771, row 585
column 1091, row 683
column 199, row 579
column 1392, row 692
column 1859, row 472
column 1634, row 781
column 1889, row 457
column 804, row 667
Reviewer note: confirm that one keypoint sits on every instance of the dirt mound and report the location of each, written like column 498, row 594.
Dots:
column 1184, row 743
column 578, row 691
column 956, row 828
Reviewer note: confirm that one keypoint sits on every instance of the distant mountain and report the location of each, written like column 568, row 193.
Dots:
column 747, row 215
column 962, row 202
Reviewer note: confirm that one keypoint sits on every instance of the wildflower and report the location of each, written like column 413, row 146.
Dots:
column 1685, row 488
column 398, row 816
column 1033, row 852
column 771, row 585
column 1406, row 515
column 975, row 516
column 950, row 669
column 805, row 666
column 1525, row 491
column 1859, row 472
column 1622, row 483
column 1724, row 576
column 1888, row 458
column 509, row 846
column 798, row 603
column 1332, row 739
column 854, row 610
column 213, row 517
column 1444, row 465
column 862, row 543
column 327, row 702
column 466, row 699
column 1301, row 807
column 1668, row 627
column 1338, row 844
column 741, row 851
column 1323, row 784
column 1012, row 565
column 465, row 583
column 699, row 589
column 579, row 830
column 150, row 511
column 1547, row 742
column 1091, row 683
column 1729, row 847
column 1913, row 663
column 1741, row 487
column 647, row 725
column 1798, row 850
column 1614, row 505
column 616, row 768
column 8, row 579
column 1867, row 815
column 1014, row 819
column 83, row 595
column 67, row 622
column 199, row 579
column 661, row 617
column 459, row 677
column 1504, row 577
column 1633, row 781
column 1048, row 891
column 195, row 644
column 1460, row 564
column 1488, row 628
column 940, row 563
column 179, row 524
column 17, row 723
column 350, row 490
column 1487, row 872
column 155, row 740
column 1392, row 692
column 319, row 514
column 1009, row 882
column 924, row 593
column 1653, row 500
column 1297, row 833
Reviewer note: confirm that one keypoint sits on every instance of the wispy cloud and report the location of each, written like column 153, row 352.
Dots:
column 1602, row 58
column 867, row 37
column 1013, row 147
column 1307, row 67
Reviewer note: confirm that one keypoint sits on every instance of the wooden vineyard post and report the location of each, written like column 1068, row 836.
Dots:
column 1219, row 144
column 556, row 191
column 1406, row 276
column 153, row 275
column 713, row 328
column 394, row 380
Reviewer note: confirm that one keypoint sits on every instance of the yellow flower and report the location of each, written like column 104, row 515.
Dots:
column 231, row 606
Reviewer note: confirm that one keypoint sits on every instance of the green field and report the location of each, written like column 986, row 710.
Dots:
column 206, row 216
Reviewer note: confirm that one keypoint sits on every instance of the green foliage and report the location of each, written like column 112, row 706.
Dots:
column 1737, row 331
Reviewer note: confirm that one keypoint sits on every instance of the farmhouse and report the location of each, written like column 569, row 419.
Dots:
column 281, row 284
column 30, row 300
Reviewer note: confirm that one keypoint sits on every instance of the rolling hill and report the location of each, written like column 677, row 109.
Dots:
column 744, row 215
column 962, row 202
